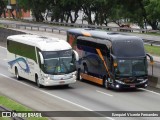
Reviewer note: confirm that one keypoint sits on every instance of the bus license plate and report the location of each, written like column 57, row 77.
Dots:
column 132, row 86
column 62, row 82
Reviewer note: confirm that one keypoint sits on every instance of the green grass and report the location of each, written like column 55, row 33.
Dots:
column 154, row 50
column 12, row 105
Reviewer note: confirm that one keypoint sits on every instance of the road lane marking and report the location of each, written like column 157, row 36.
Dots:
column 3, row 47
column 104, row 93
column 55, row 96
column 3, row 59
column 150, row 91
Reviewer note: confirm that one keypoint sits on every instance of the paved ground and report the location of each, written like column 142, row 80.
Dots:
column 79, row 96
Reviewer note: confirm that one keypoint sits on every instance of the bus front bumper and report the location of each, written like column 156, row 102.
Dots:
column 121, row 85
column 57, row 82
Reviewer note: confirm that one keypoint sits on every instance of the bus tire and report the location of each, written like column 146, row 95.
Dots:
column 17, row 74
column 106, row 83
column 37, row 82
column 85, row 69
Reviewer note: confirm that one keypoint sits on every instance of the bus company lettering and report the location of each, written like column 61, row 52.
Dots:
column 26, row 115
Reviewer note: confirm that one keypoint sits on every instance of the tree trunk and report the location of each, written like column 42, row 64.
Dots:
column 87, row 11
column 4, row 13
column 12, row 13
column 153, row 24
column 75, row 17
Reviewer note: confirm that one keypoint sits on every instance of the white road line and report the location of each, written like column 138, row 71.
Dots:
column 104, row 93
column 3, row 47
column 3, row 59
column 150, row 91
column 56, row 96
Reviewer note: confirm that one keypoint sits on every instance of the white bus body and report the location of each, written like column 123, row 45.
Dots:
column 46, row 61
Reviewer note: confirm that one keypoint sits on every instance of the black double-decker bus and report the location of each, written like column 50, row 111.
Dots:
column 110, row 59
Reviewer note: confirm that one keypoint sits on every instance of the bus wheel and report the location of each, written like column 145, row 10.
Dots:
column 85, row 69
column 37, row 82
column 106, row 83
column 17, row 74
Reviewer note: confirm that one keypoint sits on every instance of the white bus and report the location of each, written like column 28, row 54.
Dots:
column 46, row 61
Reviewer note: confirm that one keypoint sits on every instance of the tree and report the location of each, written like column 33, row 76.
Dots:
column 152, row 11
column 71, row 9
column 103, row 10
column 3, row 4
column 87, row 8
column 141, row 11
column 38, row 7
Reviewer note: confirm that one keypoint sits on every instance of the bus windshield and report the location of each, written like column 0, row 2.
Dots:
column 131, row 67
column 59, row 62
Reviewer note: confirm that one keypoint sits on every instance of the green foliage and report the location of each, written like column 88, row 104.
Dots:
column 3, row 3
column 104, row 11
column 12, row 105
column 154, row 50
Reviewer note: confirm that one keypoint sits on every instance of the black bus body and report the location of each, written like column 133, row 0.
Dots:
column 110, row 59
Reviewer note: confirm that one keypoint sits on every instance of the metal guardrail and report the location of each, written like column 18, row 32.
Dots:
column 126, row 29
column 52, row 29
column 151, row 42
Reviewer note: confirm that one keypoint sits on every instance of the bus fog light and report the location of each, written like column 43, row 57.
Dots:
column 146, row 85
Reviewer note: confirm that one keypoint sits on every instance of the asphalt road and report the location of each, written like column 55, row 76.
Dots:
column 81, row 96
column 156, row 66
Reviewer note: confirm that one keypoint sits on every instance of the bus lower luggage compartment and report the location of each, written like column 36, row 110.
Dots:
column 92, row 79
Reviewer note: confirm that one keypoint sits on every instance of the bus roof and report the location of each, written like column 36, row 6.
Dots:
column 43, row 43
column 122, row 45
column 101, row 34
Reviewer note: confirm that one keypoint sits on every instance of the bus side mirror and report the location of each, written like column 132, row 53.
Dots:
column 76, row 55
column 151, row 59
column 41, row 58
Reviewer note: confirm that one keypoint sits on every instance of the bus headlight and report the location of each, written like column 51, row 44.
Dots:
column 144, row 81
column 47, row 76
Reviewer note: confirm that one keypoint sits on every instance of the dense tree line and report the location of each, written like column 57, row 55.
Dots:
column 141, row 12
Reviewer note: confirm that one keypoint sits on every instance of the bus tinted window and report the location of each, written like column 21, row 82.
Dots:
column 21, row 49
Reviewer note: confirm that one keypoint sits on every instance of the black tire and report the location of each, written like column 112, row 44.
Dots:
column 37, row 82
column 17, row 74
column 106, row 83
column 85, row 69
